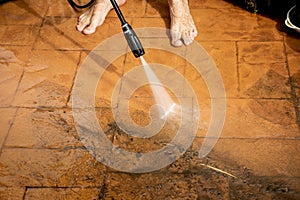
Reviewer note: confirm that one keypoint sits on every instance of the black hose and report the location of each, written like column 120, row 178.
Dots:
column 76, row 6
column 118, row 11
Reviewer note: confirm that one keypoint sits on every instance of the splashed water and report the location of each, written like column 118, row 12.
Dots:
column 160, row 94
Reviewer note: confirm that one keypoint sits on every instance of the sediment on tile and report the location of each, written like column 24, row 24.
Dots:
column 50, row 168
column 266, row 157
column 50, row 128
column 47, row 82
column 68, row 193
column 18, row 35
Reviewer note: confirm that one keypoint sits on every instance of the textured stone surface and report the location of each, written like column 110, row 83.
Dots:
column 12, row 192
column 47, row 79
column 62, row 193
column 45, row 167
column 11, row 71
column 6, row 119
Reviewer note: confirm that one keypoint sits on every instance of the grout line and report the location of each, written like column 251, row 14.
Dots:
column 18, row 85
column 146, row 3
column 60, row 187
column 292, row 86
column 103, row 188
column 237, row 67
column 38, row 34
column 24, row 195
column 6, row 135
column 73, row 80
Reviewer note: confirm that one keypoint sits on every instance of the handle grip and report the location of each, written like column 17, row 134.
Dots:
column 132, row 40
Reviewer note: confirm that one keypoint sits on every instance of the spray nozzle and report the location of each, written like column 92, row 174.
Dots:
column 132, row 40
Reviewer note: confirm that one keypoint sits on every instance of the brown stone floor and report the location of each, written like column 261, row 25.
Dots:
column 42, row 158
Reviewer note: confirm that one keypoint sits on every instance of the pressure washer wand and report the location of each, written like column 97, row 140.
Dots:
column 131, row 37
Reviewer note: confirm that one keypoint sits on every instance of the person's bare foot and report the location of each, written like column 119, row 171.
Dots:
column 95, row 16
column 183, row 29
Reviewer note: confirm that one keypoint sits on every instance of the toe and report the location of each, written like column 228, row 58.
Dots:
column 83, row 21
column 188, row 41
column 177, row 43
column 81, row 17
column 80, row 26
column 91, row 28
column 187, row 38
column 194, row 32
column 176, row 38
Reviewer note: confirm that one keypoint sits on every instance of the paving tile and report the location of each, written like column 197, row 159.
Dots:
column 50, row 168
column 182, row 164
column 264, row 80
column 18, row 35
column 148, row 186
column 34, row 128
column 48, row 79
column 166, row 186
column 263, row 188
column 11, row 193
column 22, row 13
column 43, row 129
column 263, row 157
column 293, row 64
column 104, row 81
column 11, row 71
column 108, row 83
column 243, row 183
column 6, row 119
column 233, row 24
column 134, row 8
column 61, row 33
column 209, row 4
column 140, row 132
column 292, row 44
column 60, row 8
column 153, row 55
column 139, row 109
column 217, row 63
column 261, row 52
column 156, row 8
column 255, row 118
column 290, row 183
column 153, row 31
column 142, row 22
column 211, row 186
column 223, row 54
column 62, row 193
column 197, row 83
column 19, row 53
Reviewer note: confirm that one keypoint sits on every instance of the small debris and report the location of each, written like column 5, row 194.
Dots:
column 218, row 170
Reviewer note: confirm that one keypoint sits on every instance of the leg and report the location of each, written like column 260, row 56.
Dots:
column 95, row 16
column 183, row 29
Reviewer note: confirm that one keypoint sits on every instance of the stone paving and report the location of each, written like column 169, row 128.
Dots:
column 42, row 156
